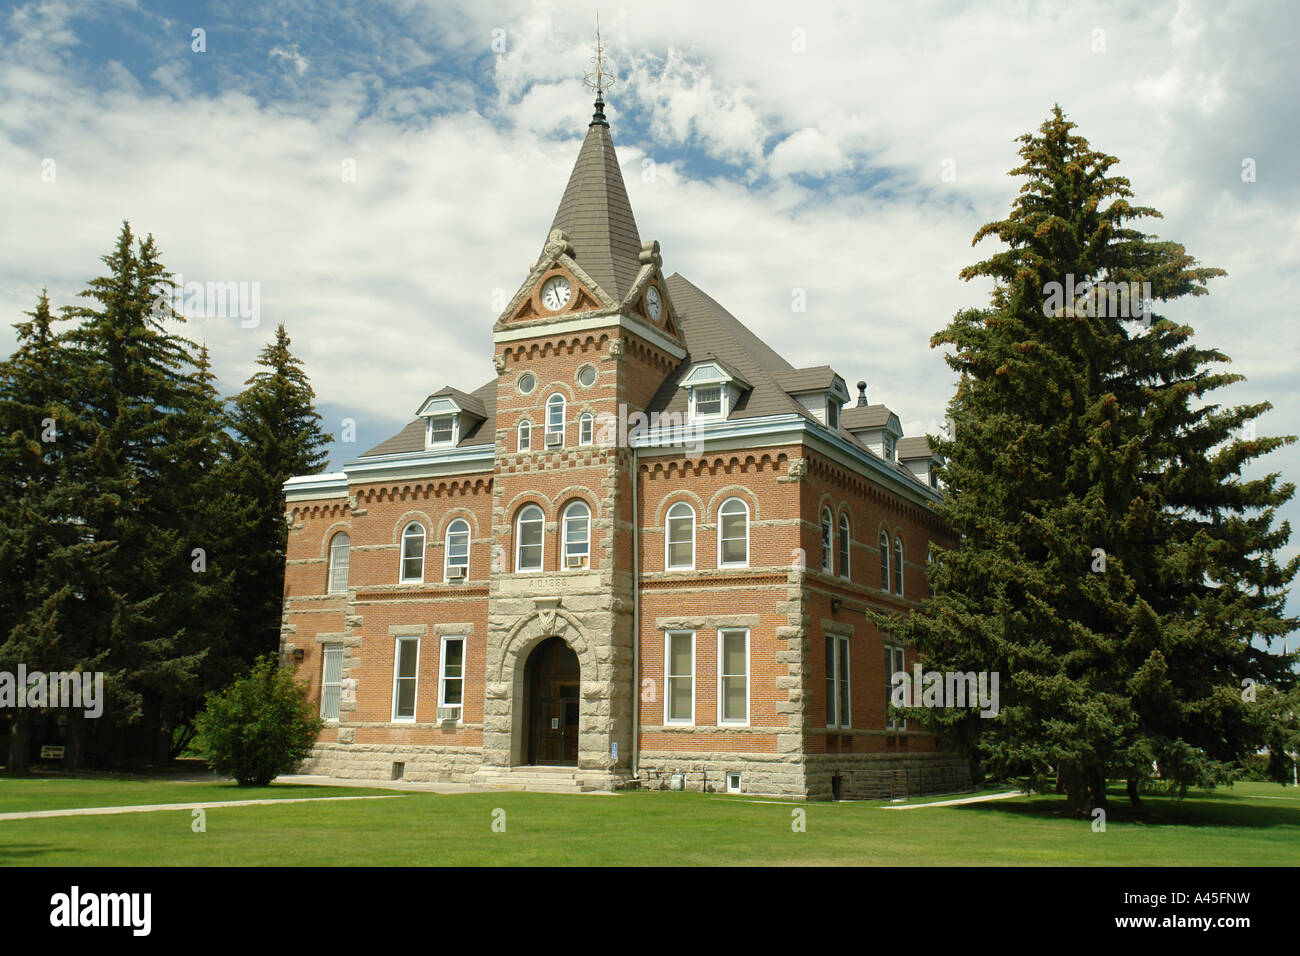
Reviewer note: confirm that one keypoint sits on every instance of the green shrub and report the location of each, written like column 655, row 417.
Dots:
column 260, row 726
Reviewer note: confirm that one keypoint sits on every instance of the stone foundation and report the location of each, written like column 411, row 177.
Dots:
column 375, row 762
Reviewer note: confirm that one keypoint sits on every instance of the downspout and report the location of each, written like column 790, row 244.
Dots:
column 636, row 624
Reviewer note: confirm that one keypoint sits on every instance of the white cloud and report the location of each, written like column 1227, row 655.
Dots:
column 386, row 283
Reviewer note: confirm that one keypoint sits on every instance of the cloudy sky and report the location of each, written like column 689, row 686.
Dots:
column 850, row 150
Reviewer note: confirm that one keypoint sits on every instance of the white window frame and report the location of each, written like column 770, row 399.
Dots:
column 722, row 720
column 890, row 670
column 442, row 672
column 828, row 541
column 329, row 651
column 733, row 564
column 556, row 401
column 524, row 436
column 844, row 545
column 696, row 414
column 734, row 775
column 402, row 577
column 565, row 542
column 668, row 537
column 898, row 565
column 335, row 566
column 669, row 677
column 586, row 428
column 397, row 660
column 839, row 695
column 519, row 541
column 455, row 431
column 446, row 549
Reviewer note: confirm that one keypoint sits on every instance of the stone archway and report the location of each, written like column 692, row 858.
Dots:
column 505, row 720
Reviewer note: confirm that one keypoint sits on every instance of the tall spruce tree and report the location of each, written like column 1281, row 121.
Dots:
column 47, row 562
column 1112, row 564
column 278, row 435
column 142, row 416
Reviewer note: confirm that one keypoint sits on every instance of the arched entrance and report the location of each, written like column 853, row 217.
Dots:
column 553, row 680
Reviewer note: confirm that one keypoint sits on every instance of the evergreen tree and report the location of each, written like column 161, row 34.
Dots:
column 45, row 558
column 142, row 420
column 1112, row 565
column 278, row 435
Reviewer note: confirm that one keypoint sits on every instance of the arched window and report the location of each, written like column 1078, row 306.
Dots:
column 340, row 548
column 525, row 435
column 528, row 539
column 884, row 561
column 844, row 546
column 680, row 537
column 733, row 533
column 828, row 553
column 898, row 566
column 412, row 553
column 457, row 551
column 555, row 420
column 577, row 535
column 586, row 428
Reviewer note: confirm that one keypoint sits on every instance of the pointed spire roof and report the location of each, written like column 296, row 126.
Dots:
column 596, row 215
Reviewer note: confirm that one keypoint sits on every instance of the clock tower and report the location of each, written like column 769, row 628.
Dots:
column 585, row 343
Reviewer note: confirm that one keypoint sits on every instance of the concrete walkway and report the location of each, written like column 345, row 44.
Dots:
column 154, row 807
column 953, row 803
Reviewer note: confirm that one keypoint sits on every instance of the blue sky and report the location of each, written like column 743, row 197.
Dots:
column 768, row 146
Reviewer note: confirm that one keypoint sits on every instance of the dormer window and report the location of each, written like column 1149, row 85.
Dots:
column 448, row 416
column 442, row 431
column 712, row 389
column 708, row 401
column 889, row 447
column 833, row 414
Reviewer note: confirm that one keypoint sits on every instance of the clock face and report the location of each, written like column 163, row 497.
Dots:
column 555, row 293
column 653, row 302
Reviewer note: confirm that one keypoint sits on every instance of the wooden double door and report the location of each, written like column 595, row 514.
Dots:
column 553, row 680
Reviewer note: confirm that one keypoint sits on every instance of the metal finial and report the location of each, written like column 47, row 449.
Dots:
column 599, row 80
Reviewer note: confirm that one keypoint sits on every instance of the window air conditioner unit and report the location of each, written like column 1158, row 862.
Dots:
column 448, row 713
column 575, row 561
column 456, row 573
column 554, row 439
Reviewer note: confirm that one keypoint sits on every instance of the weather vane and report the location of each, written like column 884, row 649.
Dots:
column 599, row 80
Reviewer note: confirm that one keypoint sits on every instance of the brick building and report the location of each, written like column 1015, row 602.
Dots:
column 641, row 549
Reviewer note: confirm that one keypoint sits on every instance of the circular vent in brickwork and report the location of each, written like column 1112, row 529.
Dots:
column 527, row 382
column 587, row 376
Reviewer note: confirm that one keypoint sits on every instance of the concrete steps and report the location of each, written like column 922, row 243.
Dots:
column 536, row 779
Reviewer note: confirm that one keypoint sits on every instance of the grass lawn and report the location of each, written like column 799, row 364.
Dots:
column 63, row 793
column 1250, row 825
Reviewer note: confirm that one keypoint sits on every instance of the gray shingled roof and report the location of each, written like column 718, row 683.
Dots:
column 918, row 447
column 596, row 215
column 411, row 438
column 470, row 403
column 871, row 416
column 817, row 378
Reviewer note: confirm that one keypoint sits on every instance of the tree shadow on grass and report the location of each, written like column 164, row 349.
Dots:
column 19, row 853
column 1220, row 809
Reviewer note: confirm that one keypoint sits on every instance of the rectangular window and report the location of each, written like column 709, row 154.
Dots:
column 708, row 401
column 679, row 677
column 586, row 429
column 451, row 682
column 833, row 414
column 733, row 677
column 441, row 430
column 893, row 665
column 837, row 682
column 405, row 658
column 331, row 681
